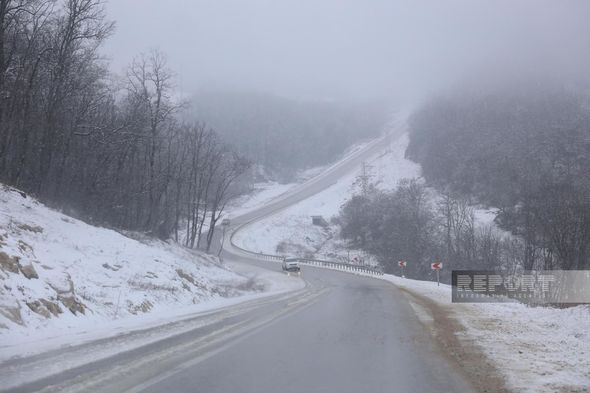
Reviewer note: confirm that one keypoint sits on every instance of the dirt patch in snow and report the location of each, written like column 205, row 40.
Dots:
column 189, row 277
column 142, row 307
column 29, row 271
column 30, row 228
column 72, row 304
column 12, row 313
column 45, row 308
column 114, row 268
column 8, row 263
column 465, row 356
column 25, row 248
column 13, row 265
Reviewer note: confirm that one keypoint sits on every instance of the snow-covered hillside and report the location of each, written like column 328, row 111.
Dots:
column 60, row 274
column 291, row 231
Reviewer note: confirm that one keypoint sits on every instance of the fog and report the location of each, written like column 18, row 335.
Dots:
column 353, row 49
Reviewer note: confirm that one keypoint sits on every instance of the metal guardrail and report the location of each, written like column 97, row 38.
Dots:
column 341, row 266
column 346, row 267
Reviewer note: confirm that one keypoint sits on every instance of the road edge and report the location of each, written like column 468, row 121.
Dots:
column 450, row 337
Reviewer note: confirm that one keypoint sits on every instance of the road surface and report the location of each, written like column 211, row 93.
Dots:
column 358, row 335
column 341, row 333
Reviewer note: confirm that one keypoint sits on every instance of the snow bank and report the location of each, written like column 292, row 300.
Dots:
column 63, row 277
column 537, row 349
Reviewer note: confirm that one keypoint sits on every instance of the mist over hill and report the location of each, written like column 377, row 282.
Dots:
column 524, row 150
column 286, row 135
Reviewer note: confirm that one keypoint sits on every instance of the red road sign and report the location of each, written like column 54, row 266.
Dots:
column 436, row 265
column 402, row 263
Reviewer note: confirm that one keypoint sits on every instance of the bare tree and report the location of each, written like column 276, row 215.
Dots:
column 150, row 86
column 107, row 151
column 231, row 167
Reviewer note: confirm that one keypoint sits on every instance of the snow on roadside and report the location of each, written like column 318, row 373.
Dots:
column 261, row 194
column 14, row 344
column 64, row 281
column 537, row 349
column 127, row 333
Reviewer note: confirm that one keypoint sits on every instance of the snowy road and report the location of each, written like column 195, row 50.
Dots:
column 341, row 333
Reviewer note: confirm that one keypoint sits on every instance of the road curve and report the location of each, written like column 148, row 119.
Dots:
column 358, row 335
column 355, row 334
column 361, row 335
column 341, row 333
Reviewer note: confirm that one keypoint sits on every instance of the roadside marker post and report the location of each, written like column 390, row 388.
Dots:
column 402, row 265
column 224, row 224
column 437, row 266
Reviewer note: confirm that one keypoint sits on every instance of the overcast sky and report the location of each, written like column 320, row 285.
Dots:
column 345, row 48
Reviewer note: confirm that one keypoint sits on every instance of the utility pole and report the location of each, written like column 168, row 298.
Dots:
column 365, row 177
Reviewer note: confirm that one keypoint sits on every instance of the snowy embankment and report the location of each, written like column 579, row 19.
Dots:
column 66, row 282
column 536, row 349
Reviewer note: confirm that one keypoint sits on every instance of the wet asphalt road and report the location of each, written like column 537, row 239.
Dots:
column 358, row 335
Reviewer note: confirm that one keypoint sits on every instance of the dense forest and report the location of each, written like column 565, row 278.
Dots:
column 108, row 148
column 284, row 135
column 525, row 153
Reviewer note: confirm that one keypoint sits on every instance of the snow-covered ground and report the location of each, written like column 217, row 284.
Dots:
column 66, row 282
column 537, row 349
column 261, row 194
column 291, row 231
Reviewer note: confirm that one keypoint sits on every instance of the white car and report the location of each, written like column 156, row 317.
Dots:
column 291, row 265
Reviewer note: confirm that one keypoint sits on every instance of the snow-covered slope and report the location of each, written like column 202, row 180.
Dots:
column 291, row 231
column 59, row 273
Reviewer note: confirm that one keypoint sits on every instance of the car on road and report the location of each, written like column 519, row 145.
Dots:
column 291, row 265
